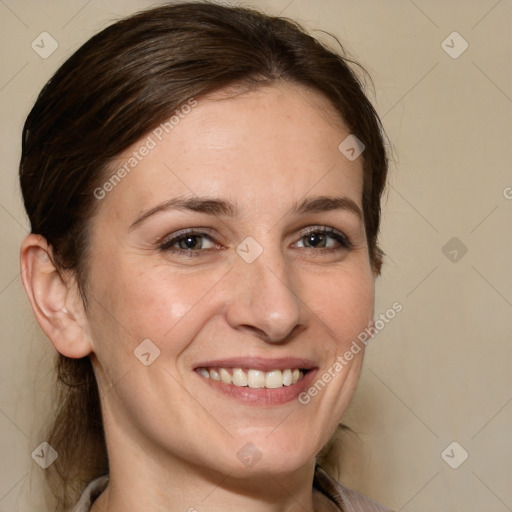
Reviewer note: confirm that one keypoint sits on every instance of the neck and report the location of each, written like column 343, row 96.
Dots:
column 143, row 478
column 194, row 492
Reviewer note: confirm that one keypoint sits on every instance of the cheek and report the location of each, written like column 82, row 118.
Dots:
column 344, row 301
column 150, row 301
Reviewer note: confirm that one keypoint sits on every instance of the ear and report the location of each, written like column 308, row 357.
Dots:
column 55, row 298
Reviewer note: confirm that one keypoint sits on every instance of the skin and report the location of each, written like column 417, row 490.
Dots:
column 172, row 439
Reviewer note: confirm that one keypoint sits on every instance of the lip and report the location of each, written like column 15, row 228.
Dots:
column 258, row 363
column 260, row 396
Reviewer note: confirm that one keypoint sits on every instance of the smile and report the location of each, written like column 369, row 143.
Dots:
column 252, row 378
column 256, row 380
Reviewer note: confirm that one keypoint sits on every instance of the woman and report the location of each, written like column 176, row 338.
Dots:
column 203, row 184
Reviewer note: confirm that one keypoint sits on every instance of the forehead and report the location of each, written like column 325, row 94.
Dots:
column 256, row 148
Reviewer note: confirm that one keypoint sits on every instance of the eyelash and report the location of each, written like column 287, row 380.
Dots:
column 341, row 238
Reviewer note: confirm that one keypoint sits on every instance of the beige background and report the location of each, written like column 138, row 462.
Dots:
column 440, row 371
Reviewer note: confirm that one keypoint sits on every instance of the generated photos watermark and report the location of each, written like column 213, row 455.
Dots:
column 343, row 359
column 143, row 150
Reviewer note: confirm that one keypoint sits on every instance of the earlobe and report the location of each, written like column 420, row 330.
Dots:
column 54, row 298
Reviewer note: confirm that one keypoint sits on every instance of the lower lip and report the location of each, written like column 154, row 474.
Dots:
column 262, row 396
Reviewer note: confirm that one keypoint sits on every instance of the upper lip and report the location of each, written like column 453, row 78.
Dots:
column 258, row 363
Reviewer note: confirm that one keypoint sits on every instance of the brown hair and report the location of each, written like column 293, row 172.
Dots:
column 116, row 88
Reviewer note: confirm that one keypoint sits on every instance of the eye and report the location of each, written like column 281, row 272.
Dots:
column 323, row 237
column 192, row 242
column 188, row 241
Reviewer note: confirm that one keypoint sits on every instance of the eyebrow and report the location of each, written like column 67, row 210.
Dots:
column 220, row 207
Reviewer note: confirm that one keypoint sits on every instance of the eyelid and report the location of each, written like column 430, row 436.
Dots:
column 167, row 242
column 169, row 237
column 343, row 239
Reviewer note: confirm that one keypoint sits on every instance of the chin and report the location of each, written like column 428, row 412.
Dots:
column 276, row 454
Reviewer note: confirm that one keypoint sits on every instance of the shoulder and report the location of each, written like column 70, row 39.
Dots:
column 91, row 492
column 346, row 499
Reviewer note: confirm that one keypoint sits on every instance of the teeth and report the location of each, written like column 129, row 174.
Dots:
column 274, row 379
column 256, row 379
column 204, row 372
column 225, row 376
column 253, row 378
column 214, row 374
column 239, row 377
column 287, row 377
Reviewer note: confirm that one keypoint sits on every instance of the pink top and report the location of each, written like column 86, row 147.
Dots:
column 345, row 499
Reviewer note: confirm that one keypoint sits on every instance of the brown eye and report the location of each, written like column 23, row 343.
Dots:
column 188, row 241
column 324, row 238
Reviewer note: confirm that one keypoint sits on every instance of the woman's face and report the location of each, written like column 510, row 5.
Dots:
column 233, row 247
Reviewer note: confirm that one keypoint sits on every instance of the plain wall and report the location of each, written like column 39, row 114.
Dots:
column 440, row 370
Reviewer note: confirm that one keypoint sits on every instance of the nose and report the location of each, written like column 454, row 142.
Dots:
column 265, row 301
